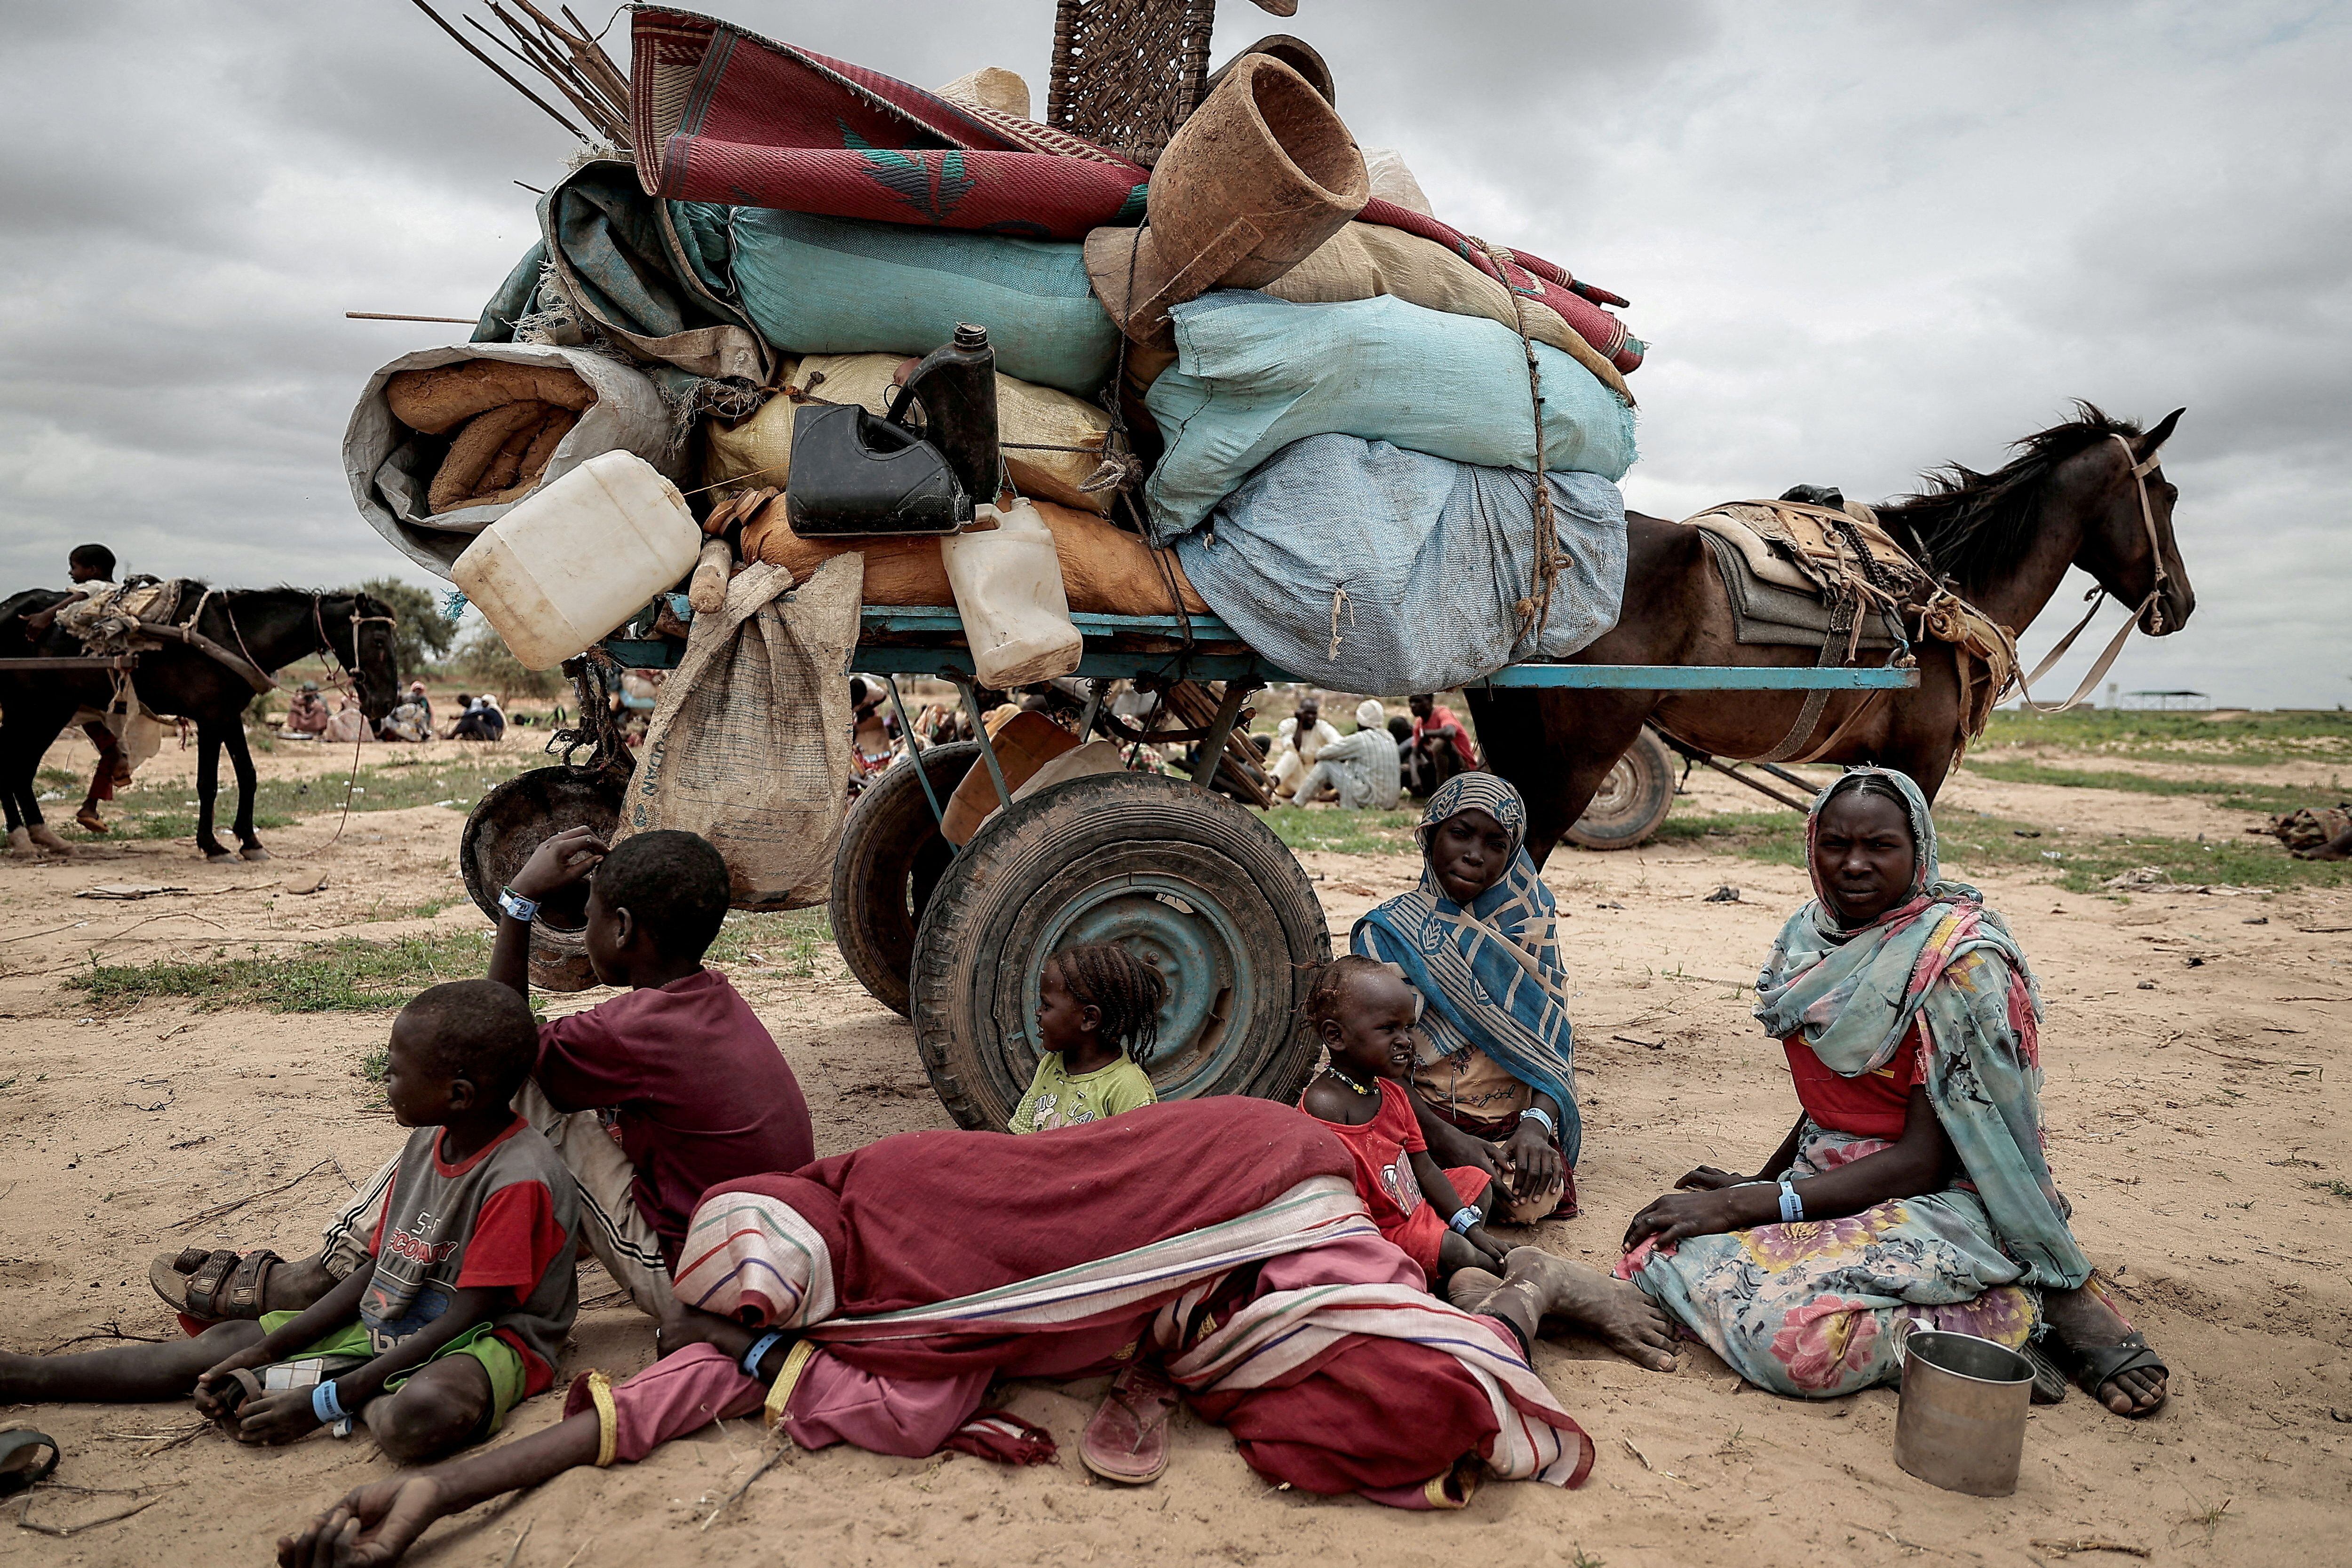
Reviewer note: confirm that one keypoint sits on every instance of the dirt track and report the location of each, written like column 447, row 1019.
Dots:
column 2196, row 1125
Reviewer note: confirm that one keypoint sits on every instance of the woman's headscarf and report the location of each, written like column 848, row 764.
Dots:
column 1490, row 970
column 1940, row 959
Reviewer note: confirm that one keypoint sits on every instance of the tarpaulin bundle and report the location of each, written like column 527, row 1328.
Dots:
column 724, row 115
column 1531, row 276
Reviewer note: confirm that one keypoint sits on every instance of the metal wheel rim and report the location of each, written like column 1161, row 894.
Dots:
column 1617, row 793
column 1198, row 950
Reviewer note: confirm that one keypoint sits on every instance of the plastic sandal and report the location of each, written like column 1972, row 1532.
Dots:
column 1127, row 1441
column 19, row 1471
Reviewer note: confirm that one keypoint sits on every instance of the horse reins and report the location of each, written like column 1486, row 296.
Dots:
column 2154, row 602
column 359, row 684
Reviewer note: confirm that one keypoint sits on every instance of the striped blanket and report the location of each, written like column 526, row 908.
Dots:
column 1274, row 1319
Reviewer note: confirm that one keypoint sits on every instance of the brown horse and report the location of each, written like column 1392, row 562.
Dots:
column 2002, row 541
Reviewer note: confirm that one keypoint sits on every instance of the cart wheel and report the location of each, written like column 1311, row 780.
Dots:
column 1632, row 801
column 501, row 831
column 890, row 858
column 1188, row 882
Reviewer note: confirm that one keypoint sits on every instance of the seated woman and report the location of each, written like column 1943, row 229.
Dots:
column 1494, row 1084
column 1913, row 1188
column 874, row 1297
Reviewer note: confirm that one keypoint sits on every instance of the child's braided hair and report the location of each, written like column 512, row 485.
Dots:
column 1128, row 992
column 1330, row 984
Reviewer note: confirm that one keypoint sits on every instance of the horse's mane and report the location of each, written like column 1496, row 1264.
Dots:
column 1968, row 526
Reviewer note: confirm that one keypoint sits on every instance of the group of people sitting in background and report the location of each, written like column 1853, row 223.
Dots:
column 1329, row 1282
column 480, row 718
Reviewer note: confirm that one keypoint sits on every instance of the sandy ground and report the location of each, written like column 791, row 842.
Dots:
column 2191, row 1118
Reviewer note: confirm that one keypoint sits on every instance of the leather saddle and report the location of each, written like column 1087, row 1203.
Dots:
column 1786, row 565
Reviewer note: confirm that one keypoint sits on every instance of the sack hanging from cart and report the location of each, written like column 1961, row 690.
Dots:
column 749, row 745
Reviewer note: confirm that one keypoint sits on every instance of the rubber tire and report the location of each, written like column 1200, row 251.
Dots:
column 992, row 911
column 1632, row 803
column 890, row 859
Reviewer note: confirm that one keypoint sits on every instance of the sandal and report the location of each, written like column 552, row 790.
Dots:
column 19, row 1471
column 90, row 821
column 2099, row 1365
column 2049, row 1377
column 214, row 1286
column 1127, row 1441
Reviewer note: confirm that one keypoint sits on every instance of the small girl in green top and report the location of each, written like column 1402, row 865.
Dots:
column 1097, row 1018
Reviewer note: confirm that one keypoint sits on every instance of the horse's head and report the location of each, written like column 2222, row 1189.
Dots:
column 2127, row 542
column 360, row 629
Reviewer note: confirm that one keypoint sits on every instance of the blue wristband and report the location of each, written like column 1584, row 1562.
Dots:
column 1464, row 1218
column 760, row 1347
column 1792, row 1208
column 1537, row 1113
column 514, row 903
column 327, row 1403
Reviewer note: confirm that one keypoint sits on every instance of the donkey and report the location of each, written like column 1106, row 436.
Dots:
column 271, row 627
column 2003, row 542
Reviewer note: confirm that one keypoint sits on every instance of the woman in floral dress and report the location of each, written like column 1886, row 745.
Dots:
column 1912, row 1190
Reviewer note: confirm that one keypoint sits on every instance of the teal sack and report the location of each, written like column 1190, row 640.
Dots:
column 830, row 285
column 1255, row 374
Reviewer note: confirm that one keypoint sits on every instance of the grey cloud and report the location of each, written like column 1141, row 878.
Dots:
column 1862, row 240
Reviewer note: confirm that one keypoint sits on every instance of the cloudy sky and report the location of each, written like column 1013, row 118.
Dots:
column 1861, row 239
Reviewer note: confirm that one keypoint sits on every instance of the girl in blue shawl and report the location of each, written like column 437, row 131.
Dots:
column 1494, row 1084
column 1912, row 1190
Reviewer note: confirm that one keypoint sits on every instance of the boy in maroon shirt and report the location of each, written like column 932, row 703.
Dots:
column 701, row 1093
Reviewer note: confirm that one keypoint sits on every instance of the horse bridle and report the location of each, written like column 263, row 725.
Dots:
column 319, row 622
column 2141, row 468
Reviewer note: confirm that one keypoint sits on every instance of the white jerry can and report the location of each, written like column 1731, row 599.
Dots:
column 572, row 562
column 1008, row 588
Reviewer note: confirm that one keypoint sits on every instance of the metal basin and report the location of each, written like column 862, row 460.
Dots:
column 503, row 829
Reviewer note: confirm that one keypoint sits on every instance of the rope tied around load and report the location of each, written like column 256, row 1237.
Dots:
column 1534, row 610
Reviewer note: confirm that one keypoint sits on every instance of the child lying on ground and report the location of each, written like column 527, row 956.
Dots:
column 1097, row 1017
column 1364, row 1014
column 472, row 1287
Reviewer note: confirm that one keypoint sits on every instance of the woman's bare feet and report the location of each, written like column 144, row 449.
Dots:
column 2085, row 1322
column 1470, row 1287
column 1537, row 1285
column 370, row 1528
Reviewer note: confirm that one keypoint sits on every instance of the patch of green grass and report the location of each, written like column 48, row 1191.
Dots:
column 2270, row 798
column 162, row 810
column 1343, row 832
column 1971, row 845
column 2294, row 736
column 347, row 976
column 57, row 778
column 376, row 1065
column 787, row 943
column 2333, row 1188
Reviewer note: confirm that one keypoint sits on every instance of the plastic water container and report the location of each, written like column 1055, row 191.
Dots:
column 580, row 557
column 1008, row 588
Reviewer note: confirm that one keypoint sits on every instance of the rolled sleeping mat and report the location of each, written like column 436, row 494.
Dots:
column 443, row 442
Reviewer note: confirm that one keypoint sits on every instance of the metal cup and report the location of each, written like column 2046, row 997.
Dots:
column 1962, row 1421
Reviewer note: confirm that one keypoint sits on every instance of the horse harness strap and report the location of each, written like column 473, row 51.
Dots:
column 244, row 668
column 2139, row 468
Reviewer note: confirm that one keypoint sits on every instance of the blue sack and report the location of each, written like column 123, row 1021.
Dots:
column 1255, row 374
column 813, row 285
column 1410, row 564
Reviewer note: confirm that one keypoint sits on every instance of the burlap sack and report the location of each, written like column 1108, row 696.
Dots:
column 758, row 450
column 749, row 745
column 1105, row 571
column 1365, row 259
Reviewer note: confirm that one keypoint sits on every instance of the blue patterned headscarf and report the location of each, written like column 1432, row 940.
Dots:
column 1490, row 970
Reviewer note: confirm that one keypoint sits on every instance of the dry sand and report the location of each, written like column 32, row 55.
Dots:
column 2194, row 1123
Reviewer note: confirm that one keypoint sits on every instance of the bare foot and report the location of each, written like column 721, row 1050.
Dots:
column 1613, row 1310
column 46, row 837
column 1469, row 1287
column 2085, row 1320
column 371, row 1527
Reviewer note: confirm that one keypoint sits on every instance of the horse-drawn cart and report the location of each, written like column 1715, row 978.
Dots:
column 956, row 939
